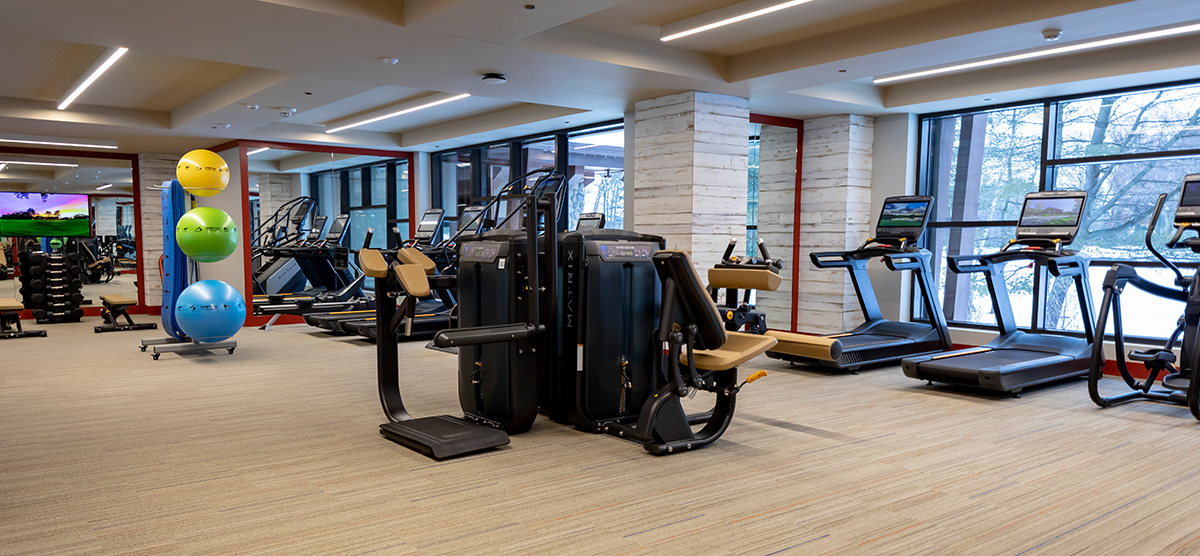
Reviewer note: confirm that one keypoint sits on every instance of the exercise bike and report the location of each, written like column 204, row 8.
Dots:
column 1177, row 384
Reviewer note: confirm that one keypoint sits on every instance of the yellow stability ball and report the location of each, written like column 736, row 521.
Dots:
column 202, row 173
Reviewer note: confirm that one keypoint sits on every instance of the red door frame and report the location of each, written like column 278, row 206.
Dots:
column 798, row 125
column 141, row 307
column 244, row 145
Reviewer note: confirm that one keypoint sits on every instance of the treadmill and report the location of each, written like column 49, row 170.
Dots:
column 877, row 341
column 1017, row 359
column 281, row 273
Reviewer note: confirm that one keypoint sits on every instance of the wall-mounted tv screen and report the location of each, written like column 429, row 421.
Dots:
column 44, row 215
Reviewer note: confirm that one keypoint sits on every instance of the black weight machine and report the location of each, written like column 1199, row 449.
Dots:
column 746, row 274
column 1179, row 386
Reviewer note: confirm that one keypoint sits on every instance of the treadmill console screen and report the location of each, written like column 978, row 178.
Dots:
column 903, row 217
column 427, row 227
column 335, row 229
column 1189, row 200
column 1051, row 215
column 590, row 221
column 468, row 221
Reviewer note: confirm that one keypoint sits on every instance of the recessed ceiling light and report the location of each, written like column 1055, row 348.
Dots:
column 251, row 106
column 95, row 74
column 26, row 163
column 220, row 126
column 256, row 151
column 1161, row 33
column 398, row 113
column 530, row 7
column 105, row 186
column 732, row 20
column 57, row 144
column 390, row 61
column 494, row 78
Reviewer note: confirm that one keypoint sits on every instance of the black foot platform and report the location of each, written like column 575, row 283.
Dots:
column 443, row 436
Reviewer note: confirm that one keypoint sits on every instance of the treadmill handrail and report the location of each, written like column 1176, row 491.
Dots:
column 906, row 261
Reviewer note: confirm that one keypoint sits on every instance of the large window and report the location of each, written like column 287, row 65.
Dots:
column 363, row 193
column 592, row 158
column 1124, row 148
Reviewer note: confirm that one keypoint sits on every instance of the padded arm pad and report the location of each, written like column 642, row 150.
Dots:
column 815, row 347
column 372, row 263
column 414, row 256
column 744, row 279
column 412, row 278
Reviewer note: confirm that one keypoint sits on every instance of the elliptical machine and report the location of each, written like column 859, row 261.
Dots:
column 1178, row 384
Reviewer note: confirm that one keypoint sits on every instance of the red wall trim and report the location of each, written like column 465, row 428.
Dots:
column 244, row 162
column 776, row 121
column 252, row 144
column 796, row 231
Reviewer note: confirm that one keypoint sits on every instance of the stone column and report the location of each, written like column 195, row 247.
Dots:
column 153, row 169
column 834, row 215
column 776, row 215
column 690, row 183
column 273, row 191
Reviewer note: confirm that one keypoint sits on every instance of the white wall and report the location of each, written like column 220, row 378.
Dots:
column 893, row 173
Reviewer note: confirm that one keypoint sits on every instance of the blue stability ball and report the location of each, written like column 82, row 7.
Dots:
column 210, row 311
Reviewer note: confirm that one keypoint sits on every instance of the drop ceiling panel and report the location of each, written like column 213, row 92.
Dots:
column 496, row 21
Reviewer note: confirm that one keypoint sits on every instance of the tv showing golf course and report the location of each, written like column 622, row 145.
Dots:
column 44, row 215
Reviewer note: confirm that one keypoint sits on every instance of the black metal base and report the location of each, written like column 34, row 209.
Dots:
column 443, row 436
column 124, row 327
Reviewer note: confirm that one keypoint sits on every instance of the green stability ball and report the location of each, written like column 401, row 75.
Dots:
column 206, row 234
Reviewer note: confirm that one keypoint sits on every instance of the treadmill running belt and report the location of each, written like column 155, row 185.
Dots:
column 858, row 341
column 1002, row 361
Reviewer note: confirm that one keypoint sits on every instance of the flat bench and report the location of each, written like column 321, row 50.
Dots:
column 117, row 306
column 10, row 318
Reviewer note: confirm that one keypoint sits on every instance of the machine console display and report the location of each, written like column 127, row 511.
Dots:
column 338, row 226
column 1052, row 215
column 482, row 252
column 627, row 251
column 431, row 223
column 903, row 217
column 590, row 221
column 318, row 228
column 1189, row 201
column 468, row 221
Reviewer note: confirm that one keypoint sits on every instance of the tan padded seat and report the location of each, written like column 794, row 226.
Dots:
column 739, row 348
column 9, row 304
column 413, row 278
column 118, row 300
column 744, row 279
column 814, row 347
column 373, row 263
column 416, row 257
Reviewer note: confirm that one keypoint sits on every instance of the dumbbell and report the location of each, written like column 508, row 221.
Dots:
column 23, row 257
column 39, row 314
column 76, row 298
column 37, row 256
column 73, row 257
column 36, row 270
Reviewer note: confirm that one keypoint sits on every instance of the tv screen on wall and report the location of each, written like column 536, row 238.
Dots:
column 44, row 215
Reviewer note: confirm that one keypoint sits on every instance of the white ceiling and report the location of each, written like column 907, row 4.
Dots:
column 193, row 66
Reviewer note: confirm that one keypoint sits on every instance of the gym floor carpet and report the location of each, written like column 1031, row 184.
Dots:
column 275, row 450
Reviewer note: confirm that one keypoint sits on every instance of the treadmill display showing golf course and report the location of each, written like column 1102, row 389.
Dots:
column 44, row 215
column 1051, row 212
column 902, row 215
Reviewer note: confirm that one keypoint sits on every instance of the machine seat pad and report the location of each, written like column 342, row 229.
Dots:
column 117, row 300
column 413, row 278
column 373, row 263
column 739, row 348
column 9, row 304
column 744, row 279
column 824, row 348
column 1163, row 355
column 414, row 256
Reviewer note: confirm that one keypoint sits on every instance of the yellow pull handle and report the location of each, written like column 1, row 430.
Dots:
column 755, row 376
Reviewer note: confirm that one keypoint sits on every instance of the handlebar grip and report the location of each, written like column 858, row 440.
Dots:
column 762, row 249
column 729, row 249
column 961, row 264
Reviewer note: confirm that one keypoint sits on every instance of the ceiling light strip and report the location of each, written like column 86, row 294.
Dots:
column 735, row 19
column 1048, row 52
column 22, row 162
column 105, row 186
column 397, row 113
column 57, row 144
column 96, row 73
column 256, row 151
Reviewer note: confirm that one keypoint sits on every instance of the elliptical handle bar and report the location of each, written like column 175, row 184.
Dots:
column 1158, row 208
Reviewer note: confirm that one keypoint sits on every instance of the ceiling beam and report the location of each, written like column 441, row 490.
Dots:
column 483, row 123
column 590, row 44
column 391, row 11
column 253, row 81
column 309, row 159
column 82, row 114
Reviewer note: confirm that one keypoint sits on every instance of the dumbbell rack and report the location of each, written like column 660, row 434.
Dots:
column 50, row 286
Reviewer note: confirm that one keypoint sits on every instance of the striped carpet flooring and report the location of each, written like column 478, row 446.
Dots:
column 275, row 450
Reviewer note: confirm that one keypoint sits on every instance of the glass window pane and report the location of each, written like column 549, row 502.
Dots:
column 980, row 166
column 752, row 192
column 402, row 190
column 456, row 181
column 329, row 198
column 1121, row 200
column 496, row 168
column 355, row 182
column 965, row 297
column 378, row 185
column 596, row 176
column 360, row 221
column 1146, row 121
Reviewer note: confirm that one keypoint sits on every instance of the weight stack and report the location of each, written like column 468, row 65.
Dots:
column 51, row 286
